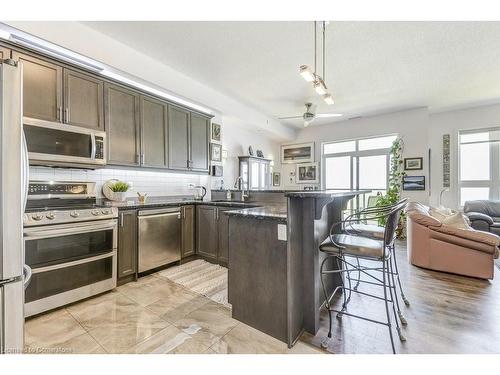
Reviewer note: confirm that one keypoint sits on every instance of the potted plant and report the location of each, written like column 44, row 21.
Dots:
column 119, row 190
column 393, row 195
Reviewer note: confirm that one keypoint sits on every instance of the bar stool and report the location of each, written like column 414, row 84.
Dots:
column 342, row 245
column 377, row 232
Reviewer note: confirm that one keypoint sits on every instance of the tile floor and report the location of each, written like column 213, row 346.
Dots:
column 152, row 315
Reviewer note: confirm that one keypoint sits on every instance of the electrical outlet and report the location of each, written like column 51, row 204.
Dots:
column 281, row 232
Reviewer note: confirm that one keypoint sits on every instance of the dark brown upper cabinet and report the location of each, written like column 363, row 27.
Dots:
column 57, row 94
column 199, row 137
column 83, row 100
column 188, row 140
column 42, row 88
column 178, row 137
column 154, row 132
column 4, row 53
column 121, row 108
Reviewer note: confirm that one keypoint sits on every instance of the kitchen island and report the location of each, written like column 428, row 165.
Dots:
column 274, row 282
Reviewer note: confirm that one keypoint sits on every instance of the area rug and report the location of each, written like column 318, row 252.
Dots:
column 201, row 277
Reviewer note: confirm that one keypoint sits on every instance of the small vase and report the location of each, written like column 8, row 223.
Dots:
column 119, row 196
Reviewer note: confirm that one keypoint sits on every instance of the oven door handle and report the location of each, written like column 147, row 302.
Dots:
column 38, row 233
column 73, row 263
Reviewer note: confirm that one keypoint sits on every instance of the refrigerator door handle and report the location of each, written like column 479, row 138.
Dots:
column 27, row 275
column 26, row 171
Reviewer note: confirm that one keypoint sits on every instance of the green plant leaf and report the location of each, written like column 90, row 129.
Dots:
column 119, row 187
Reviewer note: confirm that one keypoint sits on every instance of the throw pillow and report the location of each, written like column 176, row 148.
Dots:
column 457, row 220
column 441, row 213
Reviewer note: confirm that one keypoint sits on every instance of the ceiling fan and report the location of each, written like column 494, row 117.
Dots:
column 310, row 114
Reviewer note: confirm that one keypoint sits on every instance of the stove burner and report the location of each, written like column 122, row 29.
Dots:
column 64, row 202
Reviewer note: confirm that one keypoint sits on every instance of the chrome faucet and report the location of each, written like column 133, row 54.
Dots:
column 239, row 180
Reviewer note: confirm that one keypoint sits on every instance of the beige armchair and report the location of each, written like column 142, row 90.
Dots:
column 440, row 247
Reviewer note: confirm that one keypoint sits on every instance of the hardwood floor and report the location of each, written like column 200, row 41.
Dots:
column 448, row 314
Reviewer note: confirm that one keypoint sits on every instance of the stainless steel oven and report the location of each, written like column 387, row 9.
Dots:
column 58, row 144
column 69, row 262
column 70, row 243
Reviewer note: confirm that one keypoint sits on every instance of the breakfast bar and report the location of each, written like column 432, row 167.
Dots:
column 274, row 283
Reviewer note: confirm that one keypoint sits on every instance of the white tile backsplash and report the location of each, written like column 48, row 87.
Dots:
column 154, row 183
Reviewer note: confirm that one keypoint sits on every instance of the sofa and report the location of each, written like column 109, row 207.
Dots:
column 442, row 247
column 484, row 215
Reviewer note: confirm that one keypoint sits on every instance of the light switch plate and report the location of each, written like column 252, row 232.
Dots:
column 281, row 232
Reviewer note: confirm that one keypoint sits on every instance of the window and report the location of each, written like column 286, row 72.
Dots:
column 479, row 164
column 357, row 164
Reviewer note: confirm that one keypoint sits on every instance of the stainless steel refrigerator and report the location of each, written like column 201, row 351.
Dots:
column 13, row 192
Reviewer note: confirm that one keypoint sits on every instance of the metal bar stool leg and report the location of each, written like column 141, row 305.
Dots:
column 344, row 305
column 348, row 274
column 359, row 274
column 405, row 300
column 396, row 298
column 327, row 298
column 384, row 284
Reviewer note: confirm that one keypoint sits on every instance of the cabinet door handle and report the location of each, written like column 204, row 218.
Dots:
column 59, row 114
column 66, row 115
column 142, row 159
column 121, row 220
column 184, row 213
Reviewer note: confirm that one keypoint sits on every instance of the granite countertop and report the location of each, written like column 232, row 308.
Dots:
column 172, row 201
column 276, row 212
column 325, row 193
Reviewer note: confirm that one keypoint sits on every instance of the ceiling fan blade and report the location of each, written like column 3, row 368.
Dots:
column 325, row 115
column 289, row 117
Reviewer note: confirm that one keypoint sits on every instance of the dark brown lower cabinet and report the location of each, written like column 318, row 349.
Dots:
column 212, row 233
column 223, row 236
column 188, row 231
column 127, row 246
column 207, row 232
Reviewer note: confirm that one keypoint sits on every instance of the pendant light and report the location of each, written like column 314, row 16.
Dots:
column 318, row 81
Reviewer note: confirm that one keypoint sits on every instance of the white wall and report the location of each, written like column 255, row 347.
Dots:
column 411, row 125
column 451, row 123
column 235, row 140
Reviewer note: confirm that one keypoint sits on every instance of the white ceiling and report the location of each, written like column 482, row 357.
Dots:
column 372, row 67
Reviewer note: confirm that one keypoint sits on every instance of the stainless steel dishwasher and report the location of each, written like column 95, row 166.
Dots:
column 159, row 237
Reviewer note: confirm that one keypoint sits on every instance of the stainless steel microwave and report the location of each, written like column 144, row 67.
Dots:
column 56, row 144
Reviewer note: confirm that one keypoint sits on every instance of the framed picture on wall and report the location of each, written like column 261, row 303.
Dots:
column 215, row 152
column 298, row 153
column 216, row 129
column 307, row 173
column 413, row 164
column 413, row 183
